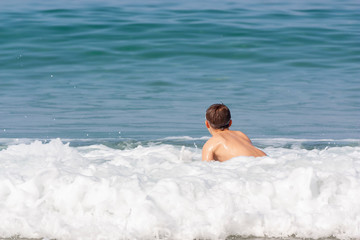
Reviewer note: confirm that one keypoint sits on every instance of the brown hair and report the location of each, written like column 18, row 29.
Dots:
column 218, row 115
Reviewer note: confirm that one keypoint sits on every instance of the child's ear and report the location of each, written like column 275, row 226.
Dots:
column 207, row 124
column 230, row 123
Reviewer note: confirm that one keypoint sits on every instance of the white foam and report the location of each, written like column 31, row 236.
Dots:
column 162, row 191
column 186, row 138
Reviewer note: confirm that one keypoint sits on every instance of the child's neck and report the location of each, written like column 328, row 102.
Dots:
column 217, row 131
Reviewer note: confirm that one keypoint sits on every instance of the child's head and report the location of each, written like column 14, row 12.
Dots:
column 218, row 116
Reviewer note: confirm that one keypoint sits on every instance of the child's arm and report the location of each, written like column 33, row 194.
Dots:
column 207, row 152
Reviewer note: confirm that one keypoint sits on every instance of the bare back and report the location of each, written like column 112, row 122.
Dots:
column 228, row 144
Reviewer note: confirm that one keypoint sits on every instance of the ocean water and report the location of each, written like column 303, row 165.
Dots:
column 102, row 108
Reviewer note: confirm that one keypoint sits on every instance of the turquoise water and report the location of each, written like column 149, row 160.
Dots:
column 116, row 91
column 149, row 69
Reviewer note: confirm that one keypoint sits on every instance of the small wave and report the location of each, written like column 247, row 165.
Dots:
column 187, row 138
column 308, row 144
column 161, row 191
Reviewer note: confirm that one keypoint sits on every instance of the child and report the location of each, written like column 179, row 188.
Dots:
column 224, row 143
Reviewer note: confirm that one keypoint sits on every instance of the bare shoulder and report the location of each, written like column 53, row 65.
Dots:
column 209, row 148
column 242, row 135
column 214, row 140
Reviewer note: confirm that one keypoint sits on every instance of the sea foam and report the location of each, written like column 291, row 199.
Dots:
column 162, row 191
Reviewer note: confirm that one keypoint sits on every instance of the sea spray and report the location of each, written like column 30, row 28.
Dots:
column 52, row 189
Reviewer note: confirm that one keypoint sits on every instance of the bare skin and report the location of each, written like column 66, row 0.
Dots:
column 226, row 144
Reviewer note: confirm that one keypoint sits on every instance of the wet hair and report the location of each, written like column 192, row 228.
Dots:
column 218, row 115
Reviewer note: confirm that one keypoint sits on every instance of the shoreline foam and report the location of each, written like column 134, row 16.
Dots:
column 60, row 191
